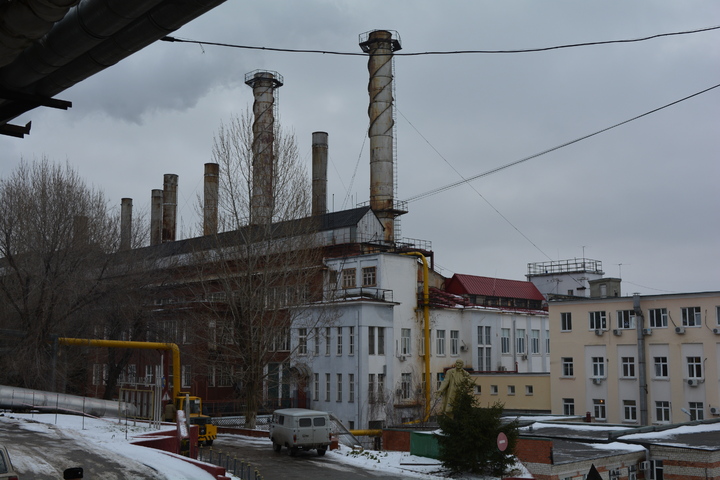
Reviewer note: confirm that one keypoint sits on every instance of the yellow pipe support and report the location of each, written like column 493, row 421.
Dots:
column 426, row 318
column 87, row 342
column 366, row 433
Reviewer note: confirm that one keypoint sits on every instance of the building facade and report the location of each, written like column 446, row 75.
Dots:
column 641, row 360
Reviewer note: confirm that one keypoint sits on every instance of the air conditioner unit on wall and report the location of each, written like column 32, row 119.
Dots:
column 715, row 410
column 597, row 380
column 463, row 348
column 716, row 331
column 617, row 332
column 693, row 382
column 401, row 358
column 599, row 332
column 679, row 330
column 647, row 331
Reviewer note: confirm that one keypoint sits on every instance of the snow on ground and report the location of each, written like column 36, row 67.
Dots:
column 108, row 437
column 399, row 463
column 111, row 439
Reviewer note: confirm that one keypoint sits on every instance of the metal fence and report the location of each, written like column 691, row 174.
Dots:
column 232, row 464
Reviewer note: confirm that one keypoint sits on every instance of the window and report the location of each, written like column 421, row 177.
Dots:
column 339, row 340
column 505, row 340
column 327, row 387
column 691, row 317
column 302, row 341
column 316, row 387
column 661, row 367
column 599, row 409
column 547, row 341
column 598, row 366
column 317, row 341
column 662, row 411
column 148, row 375
column 529, row 390
column 535, row 341
column 327, row 341
column 567, row 367
column 520, row 341
column 566, row 322
column 186, row 376
column 100, row 374
column 369, row 278
column 628, row 367
column 625, row 319
column 225, row 376
column 348, row 278
column 493, row 389
column 658, row 318
column 381, row 340
column 598, row 321
column 694, row 367
column 440, row 342
column 371, row 388
column 405, row 386
column 454, row 342
column 696, row 411
column 629, row 411
column 483, row 335
column 371, row 340
column 484, row 359
column 717, row 315
column 568, row 406
column 351, row 346
column 511, row 389
column 381, row 388
column 405, row 341
column 339, row 387
column 284, row 340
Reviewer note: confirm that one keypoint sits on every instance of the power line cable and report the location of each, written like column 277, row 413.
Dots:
column 474, row 189
column 522, row 160
column 453, row 52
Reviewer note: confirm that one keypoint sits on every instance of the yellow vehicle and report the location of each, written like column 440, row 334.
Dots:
column 208, row 431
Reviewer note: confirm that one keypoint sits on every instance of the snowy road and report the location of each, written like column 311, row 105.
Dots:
column 41, row 450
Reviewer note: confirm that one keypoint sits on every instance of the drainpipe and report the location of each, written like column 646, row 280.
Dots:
column 426, row 321
column 642, row 363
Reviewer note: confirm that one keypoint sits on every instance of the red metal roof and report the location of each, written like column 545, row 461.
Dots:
column 461, row 284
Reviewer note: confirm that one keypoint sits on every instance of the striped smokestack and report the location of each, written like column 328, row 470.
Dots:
column 380, row 44
column 262, row 202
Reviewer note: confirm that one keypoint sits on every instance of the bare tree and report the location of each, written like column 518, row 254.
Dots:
column 55, row 236
column 259, row 281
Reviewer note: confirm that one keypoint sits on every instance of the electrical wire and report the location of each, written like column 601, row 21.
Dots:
column 168, row 38
column 522, row 160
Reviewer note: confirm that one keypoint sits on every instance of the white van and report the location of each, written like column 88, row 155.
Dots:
column 297, row 428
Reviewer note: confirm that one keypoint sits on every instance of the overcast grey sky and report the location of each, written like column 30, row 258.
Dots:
column 642, row 198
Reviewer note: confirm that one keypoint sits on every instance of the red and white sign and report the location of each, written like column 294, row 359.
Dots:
column 502, row 441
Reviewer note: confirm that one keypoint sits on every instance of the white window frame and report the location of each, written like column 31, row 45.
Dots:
column 566, row 321
column 658, row 318
column 440, row 342
column 405, row 341
column 691, row 316
column 454, row 342
column 598, row 320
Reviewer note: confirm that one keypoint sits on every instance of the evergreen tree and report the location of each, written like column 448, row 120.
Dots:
column 468, row 442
